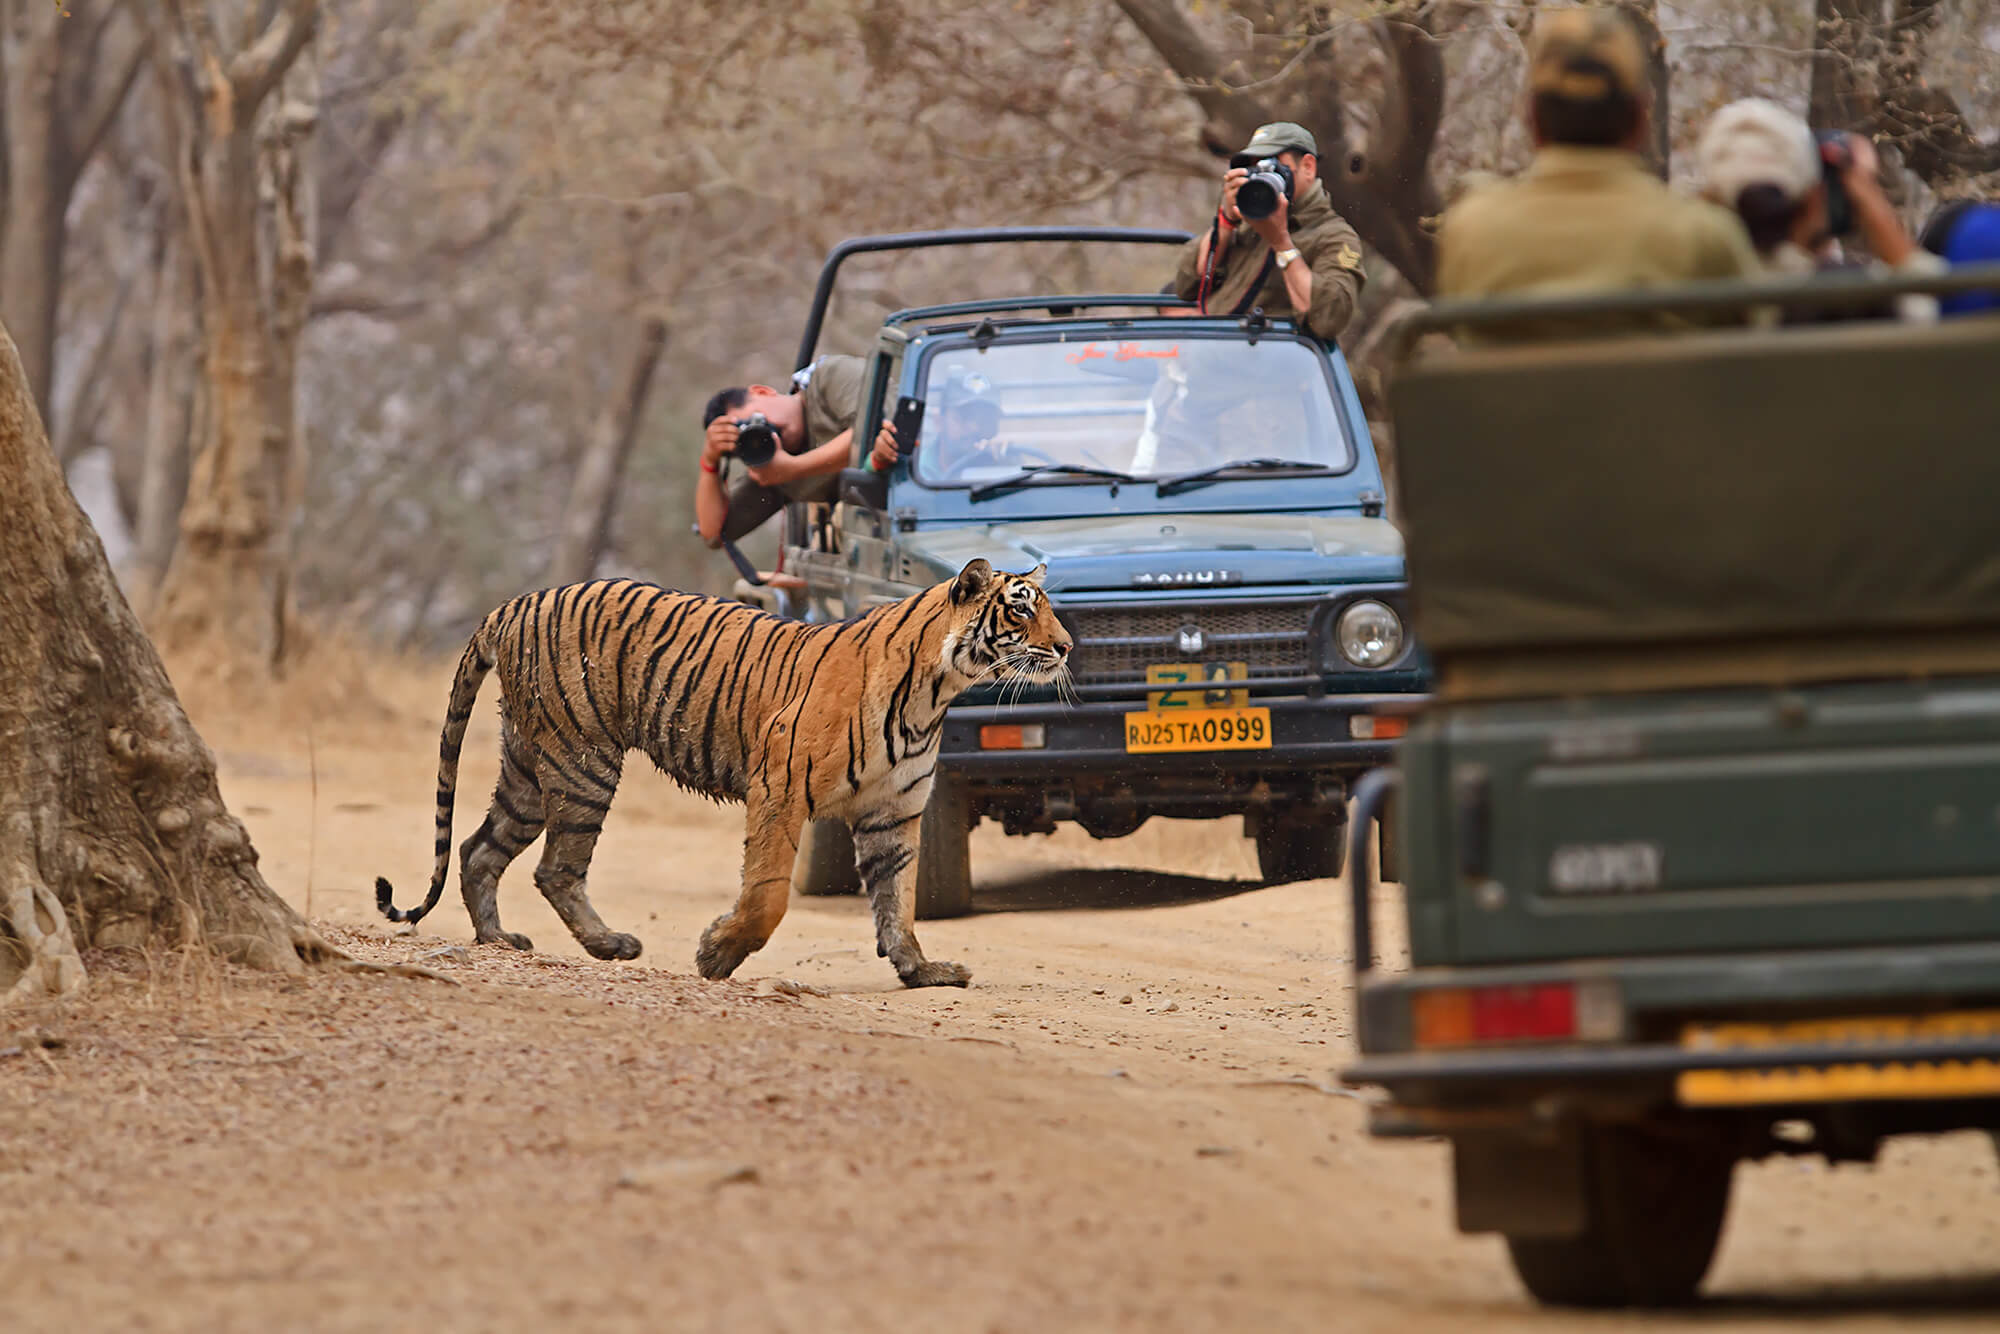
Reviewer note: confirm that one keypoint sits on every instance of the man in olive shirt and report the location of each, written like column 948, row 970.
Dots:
column 1302, row 262
column 815, row 425
column 1587, row 215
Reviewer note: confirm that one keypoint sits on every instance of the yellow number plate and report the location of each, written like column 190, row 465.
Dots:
column 1839, row 1083
column 1207, row 685
column 1157, row 731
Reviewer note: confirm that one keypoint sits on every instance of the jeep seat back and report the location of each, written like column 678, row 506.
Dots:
column 1733, row 507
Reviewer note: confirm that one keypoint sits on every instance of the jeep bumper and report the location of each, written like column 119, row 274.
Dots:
column 1083, row 772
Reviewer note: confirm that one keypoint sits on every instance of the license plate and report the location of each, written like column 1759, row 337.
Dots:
column 1207, row 685
column 1978, row 1078
column 1158, row 730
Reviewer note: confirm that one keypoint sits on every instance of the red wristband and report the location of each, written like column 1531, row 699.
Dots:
column 1222, row 220
column 710, row 468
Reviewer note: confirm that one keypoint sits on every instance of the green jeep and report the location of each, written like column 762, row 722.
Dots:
column 1208, row 504
column 1702, row 830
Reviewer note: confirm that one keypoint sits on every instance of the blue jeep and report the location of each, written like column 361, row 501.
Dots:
column 1209, row 506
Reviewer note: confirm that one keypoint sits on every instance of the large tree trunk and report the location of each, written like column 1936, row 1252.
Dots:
column 593, row 496
column 229, row 579
column 112, row 830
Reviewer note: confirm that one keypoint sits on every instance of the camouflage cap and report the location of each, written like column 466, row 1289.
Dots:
column 1585, row 54
column 1281, row 136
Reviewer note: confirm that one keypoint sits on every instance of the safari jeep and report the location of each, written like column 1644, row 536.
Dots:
column 1208, row 505
column 1702, row 832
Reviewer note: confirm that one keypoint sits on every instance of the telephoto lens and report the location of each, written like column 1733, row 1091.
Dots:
column 1270, row 180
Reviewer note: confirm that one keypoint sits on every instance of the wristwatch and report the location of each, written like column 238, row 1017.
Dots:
column 1287, row 256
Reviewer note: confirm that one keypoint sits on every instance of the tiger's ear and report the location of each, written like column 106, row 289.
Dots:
column 972, row 580
column 1034, row 576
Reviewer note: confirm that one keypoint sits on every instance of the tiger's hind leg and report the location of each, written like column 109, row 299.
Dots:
column 771, row 844
column 576, row 817
column 513, row 821
column 885, row 848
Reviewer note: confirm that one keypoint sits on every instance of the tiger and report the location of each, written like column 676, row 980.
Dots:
column 798, row 721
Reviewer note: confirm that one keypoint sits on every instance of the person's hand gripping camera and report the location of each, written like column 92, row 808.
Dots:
column 1257, row 192
column 753, row 441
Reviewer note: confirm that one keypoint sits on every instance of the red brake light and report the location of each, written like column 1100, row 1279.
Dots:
column 1464, row 1016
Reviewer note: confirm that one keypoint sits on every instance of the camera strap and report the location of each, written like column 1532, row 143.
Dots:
column 742, row 564
column 737, row 558
column 1257, row 284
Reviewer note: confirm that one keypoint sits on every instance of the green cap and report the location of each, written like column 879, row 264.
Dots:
column 1281, row 136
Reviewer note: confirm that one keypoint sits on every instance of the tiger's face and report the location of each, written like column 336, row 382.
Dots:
column 1007, row 630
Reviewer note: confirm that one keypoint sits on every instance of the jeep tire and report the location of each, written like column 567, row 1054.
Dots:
column 944, row 852
column 1653, row 1205
column 825, row 864
column 1288, row 852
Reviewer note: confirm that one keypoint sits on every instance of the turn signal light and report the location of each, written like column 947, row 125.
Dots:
column 1367, row 727
column 1540, row 1012
column 1011, row 736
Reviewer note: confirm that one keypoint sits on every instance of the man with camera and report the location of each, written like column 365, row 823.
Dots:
column 1275, row 241
column 792, row 446
column 1587, row 214
column 1800, row 193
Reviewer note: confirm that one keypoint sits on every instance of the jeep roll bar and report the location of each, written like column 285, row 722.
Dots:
column 1059, row 307
column 863, row 245
column 1825, row 292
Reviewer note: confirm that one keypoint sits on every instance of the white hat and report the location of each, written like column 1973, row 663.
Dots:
column 1756, row 142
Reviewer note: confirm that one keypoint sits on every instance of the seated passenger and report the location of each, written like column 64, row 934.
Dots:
column 1966, row 231
column 967, row 437
column 1587, row 215
column 1765, row 163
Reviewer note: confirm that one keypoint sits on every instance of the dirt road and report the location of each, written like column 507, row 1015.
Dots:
column 1125, row 1123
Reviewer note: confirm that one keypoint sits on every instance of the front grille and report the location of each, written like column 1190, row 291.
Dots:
column 1115, row 645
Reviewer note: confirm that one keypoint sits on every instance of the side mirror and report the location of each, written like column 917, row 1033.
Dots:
column 860, row 486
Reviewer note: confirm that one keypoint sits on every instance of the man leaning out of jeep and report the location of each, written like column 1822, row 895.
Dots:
column 815, row 426
column 1301, row 261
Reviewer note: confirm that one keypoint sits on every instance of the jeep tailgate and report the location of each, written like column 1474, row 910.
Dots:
column 1724, row 821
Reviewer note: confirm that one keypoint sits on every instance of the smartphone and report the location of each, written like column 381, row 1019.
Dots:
column 908, row 419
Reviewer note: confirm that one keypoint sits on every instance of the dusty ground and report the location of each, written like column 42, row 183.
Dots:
column 1126, row 1123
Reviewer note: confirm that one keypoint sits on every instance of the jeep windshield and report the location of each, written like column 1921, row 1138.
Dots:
column 1148, row 408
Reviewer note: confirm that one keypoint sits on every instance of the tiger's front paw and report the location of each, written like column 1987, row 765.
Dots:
column 936, row 973
column 719, row 952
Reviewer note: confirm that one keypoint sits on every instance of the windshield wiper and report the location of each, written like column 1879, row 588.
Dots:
column 999, row 484
column 1201, row 477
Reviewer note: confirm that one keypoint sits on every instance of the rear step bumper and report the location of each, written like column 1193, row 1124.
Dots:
column 1570, row 1065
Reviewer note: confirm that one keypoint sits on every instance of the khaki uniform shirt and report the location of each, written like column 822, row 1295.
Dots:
column 1325, row 242
column 1584, row 220
column 831, row 400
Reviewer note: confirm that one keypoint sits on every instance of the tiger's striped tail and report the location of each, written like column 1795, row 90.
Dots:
column 473, row 665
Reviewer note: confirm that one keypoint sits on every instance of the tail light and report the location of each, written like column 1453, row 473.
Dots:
column 1538, row 1012
column 1368, row 727
column 1011, row 736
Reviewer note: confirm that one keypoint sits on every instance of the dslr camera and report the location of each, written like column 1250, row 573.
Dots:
column 1270, row 180
column 756, row 440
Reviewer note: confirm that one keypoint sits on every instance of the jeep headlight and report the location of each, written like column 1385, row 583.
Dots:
column 1369, row 634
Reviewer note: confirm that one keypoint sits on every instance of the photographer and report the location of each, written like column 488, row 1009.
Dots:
column 1275, row 242
column 799, row 440
column 1799, row 193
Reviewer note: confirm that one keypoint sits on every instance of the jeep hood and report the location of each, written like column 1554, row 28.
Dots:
column 1175, row 550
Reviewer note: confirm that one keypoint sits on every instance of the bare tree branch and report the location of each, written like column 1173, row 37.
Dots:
column 256, row 69
column 96, row 119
